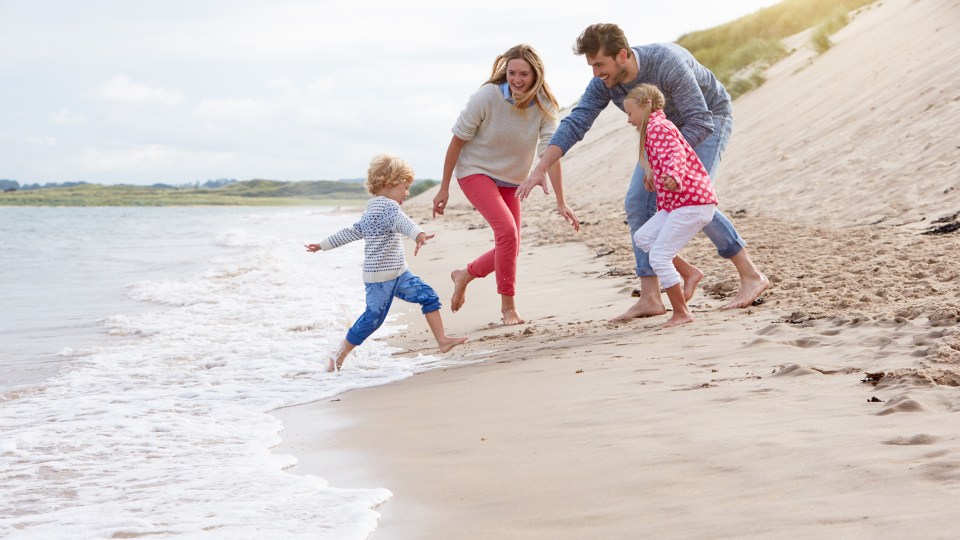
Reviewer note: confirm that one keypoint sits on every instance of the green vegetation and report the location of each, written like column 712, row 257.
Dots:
column 420, row 186
column 821, row 36
column 248, row 193
column 755, row 41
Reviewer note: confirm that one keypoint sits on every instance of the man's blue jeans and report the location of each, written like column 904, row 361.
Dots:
column 380, row 296
column 641, row 204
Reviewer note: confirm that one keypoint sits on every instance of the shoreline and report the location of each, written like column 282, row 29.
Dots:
column 751, row 423
column 738, row 425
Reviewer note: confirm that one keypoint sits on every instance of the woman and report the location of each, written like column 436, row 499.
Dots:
column 504, row 125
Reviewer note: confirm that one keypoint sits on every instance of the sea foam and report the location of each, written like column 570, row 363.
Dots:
column 165, row 431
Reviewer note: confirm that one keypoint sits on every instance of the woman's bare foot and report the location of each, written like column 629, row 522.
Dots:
column 750, row 290
column 678, row 319
column 643, row 308
column 460, row 280
column 448, row 343
column 511, row 317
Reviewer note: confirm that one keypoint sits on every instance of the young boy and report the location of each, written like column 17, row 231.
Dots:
column 385, row 272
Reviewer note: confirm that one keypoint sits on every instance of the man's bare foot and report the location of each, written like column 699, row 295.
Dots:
column 690, row 283
column 448, row 343
column 460, row 280
column 678, row 319
column 750, row 290
column 511, row 317
column 643, row 308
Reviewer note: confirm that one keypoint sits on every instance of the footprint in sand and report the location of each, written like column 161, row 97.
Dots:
column 901, row 404
column 921, row 438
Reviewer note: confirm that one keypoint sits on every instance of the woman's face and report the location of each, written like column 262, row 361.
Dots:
column 520, row 76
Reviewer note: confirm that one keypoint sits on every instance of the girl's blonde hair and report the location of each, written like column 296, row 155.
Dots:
column 541, row 90
column 387, row 171
column 650, row 99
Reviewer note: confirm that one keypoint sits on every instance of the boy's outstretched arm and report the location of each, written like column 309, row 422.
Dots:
column 421, row 240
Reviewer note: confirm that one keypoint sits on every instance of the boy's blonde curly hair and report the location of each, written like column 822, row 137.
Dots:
column 387, row 171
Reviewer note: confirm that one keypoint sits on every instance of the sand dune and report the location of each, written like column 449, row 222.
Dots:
column 828, row 410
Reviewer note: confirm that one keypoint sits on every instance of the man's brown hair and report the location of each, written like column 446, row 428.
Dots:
column 607, row 38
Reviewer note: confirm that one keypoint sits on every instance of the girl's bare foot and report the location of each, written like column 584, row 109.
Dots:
column 511, row 317
column 690, row 283
column 448, row 343
column 460, row 280
column 678, row 319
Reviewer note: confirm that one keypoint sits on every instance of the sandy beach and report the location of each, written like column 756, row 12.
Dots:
column 826, row 410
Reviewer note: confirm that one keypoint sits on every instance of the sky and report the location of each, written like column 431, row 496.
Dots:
column 183, row 91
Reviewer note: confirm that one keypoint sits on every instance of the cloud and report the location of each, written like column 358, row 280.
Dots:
column 155, row 162
column 242, row 109
column 65, row 116
column 121, row 88
column 135, row 159
column 41, row 141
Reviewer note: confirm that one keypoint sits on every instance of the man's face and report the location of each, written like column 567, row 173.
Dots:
column 610, row 69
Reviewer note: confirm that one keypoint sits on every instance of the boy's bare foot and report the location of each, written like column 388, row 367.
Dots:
column 690, row 282
column 750, row 290
column 331, row 365
column 460, row 280
column 643, row 308
column 448, row 343
column 676, row 320
column 511, row 317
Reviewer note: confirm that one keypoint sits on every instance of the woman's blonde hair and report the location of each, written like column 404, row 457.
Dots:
column 539, row 92
column 650, row 99
column 387, row 171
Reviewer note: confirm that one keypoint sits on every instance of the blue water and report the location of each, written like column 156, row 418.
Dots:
column 142, row 350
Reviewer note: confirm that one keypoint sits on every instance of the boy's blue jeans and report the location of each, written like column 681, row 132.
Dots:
column 641, row 204
column 380, row 296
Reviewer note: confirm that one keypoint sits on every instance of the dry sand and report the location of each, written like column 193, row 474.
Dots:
column 756, row 423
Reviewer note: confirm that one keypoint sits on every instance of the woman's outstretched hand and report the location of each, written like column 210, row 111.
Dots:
column 440, row 202
column 569, row 215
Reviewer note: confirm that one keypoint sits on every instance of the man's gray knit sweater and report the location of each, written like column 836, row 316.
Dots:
column 380, row 227
column 693, row 95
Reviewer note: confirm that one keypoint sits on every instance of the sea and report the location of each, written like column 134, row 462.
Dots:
column 141, row 353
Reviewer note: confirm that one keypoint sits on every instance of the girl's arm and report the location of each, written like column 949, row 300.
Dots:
column 671, row 154
column 449, row 162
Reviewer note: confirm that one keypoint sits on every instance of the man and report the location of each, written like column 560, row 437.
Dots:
column 697, row 103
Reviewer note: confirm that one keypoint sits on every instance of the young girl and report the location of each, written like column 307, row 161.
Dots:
column 507, row 122
column 685, row 198
column 385, row 272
